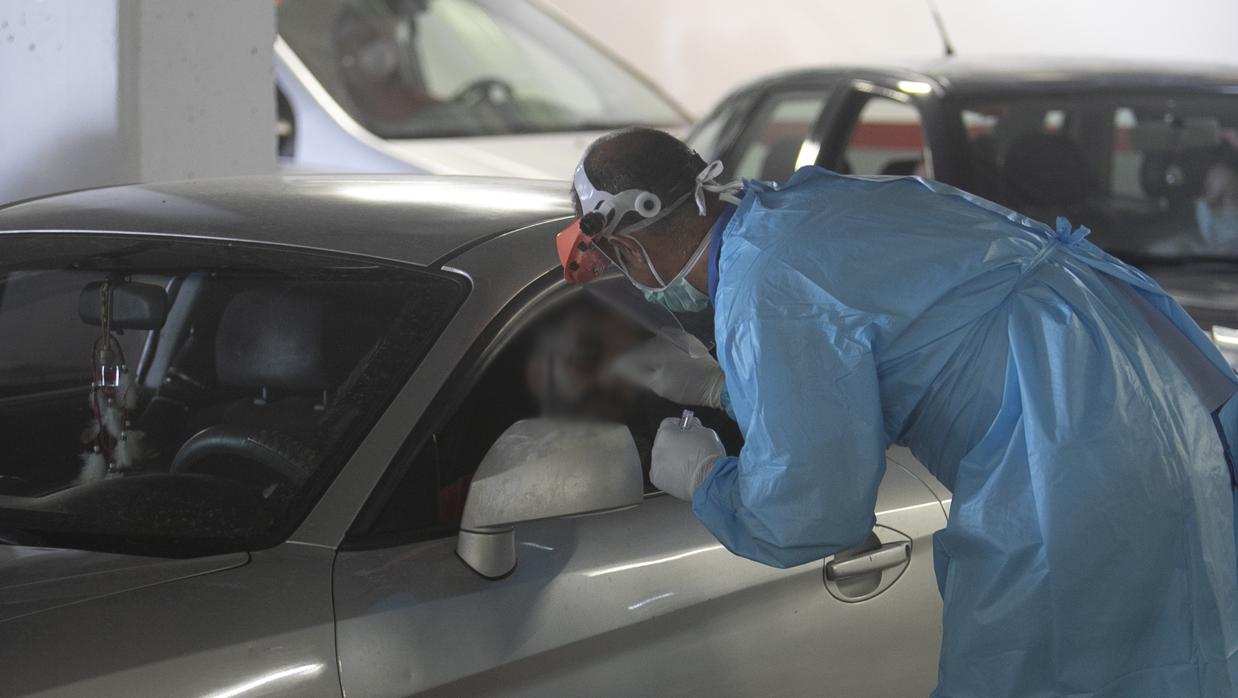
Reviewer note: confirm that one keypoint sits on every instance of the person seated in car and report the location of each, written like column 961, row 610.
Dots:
column 1216, row 210
column 565, row 372
column 378, row 64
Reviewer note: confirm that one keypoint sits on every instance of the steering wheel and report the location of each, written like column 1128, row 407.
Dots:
column 491, row 91
column 265, row 459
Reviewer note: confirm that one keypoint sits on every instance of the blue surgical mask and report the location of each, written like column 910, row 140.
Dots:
column 1216, row 225
column 679, row 297
column 676, row 295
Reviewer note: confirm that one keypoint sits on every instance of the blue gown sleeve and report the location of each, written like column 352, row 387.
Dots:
column 805, row 484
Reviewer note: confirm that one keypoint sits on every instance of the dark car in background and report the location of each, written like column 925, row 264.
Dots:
column 1146, row 157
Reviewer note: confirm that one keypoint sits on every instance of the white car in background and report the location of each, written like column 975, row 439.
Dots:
column 472, row 87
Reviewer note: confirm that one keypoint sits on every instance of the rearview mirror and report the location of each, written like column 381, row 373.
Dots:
column 135, row 306
column 542, row 469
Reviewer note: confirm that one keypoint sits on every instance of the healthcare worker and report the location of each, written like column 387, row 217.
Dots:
column 1075, row 411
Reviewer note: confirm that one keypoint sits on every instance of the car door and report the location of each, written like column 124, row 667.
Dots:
column 641, row 601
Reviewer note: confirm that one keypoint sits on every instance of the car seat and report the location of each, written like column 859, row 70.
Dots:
column 271, row 344
column 986, row 176
column 901, row 168
column 780, row 159
column 1047, row 169
column 1046, row 175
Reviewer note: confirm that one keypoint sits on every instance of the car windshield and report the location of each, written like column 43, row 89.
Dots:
column 181, row 398
column 443, row 68
column 1153, row 177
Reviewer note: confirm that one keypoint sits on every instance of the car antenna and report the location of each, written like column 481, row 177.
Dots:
column 941, row 29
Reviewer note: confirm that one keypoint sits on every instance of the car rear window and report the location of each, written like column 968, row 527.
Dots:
column 230, row 384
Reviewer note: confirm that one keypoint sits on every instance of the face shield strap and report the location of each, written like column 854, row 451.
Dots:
column 614, row 207
column 641, row 225
column 627, row 235
column 602, row 212
column 696, row 257
column 707, row 181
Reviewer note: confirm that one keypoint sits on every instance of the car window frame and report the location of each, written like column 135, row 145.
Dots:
column 732, row 113
column 324, row 481
column 760, row 102
column 842, row 113
column 541, row 296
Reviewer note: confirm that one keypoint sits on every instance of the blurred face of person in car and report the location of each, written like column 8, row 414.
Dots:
column 1216, row 212
column 566, row 370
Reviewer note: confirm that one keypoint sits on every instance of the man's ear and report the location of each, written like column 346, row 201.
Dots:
column 630, row 249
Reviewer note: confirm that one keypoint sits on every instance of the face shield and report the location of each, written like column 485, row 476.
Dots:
column 591, row 258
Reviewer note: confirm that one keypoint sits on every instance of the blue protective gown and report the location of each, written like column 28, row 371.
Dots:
column 1091, row 544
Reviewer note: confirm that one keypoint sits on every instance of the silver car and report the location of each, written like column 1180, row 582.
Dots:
column 353, row 435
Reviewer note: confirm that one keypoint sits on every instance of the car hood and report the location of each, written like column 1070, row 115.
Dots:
column 533, row 156
column 33, row 579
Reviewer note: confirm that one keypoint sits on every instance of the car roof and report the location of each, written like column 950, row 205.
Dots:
column 407, row 218
column 1007, row 74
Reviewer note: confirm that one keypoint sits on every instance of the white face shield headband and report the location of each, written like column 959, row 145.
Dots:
column 614, row 207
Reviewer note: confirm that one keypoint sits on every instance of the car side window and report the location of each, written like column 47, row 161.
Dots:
column 554, row 367
column 770, row 149
column 276, row 363
column 886, row 139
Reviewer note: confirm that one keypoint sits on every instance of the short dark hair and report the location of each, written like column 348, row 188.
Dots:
column 642, row 158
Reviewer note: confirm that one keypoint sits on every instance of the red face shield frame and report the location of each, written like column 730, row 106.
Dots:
column 582, row 261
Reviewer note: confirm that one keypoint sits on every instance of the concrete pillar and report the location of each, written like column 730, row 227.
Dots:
column 117, row 91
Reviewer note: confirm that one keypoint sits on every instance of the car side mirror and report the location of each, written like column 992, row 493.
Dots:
column 543, row 469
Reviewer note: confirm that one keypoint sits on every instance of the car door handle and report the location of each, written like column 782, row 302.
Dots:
column 885, row 557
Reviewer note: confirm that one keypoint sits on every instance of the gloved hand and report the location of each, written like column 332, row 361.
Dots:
column 682, row 458
column 672, row 373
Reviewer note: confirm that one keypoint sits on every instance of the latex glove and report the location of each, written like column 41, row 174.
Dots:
column 672, row 373
column 682, row 458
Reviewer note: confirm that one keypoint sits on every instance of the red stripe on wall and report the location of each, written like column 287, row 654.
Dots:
column 898, row 136
column 892, row 136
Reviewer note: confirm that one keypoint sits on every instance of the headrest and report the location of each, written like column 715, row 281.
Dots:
column 1048, row 169
column 780, row 160
column 272, row 338
column 901, row 168
column 1177, row 176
